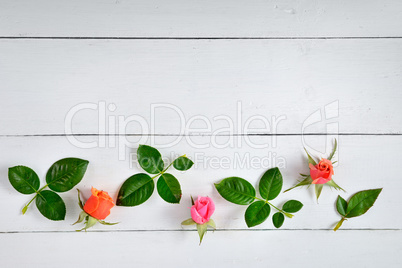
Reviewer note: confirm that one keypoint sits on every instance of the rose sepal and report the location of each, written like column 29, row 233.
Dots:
column 188, row 222
column 211, row 223
column 107, row 223
column 203, row 228
column 334, row 185
column 81, row 217
column 306, row 181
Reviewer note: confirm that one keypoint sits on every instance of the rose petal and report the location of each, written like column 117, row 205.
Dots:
column 195, row 216
column 211, row 209
column 99, row 204
column 103, row 209
column 203, row 211
column 92, row 204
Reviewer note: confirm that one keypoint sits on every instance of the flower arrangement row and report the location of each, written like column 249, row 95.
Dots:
column 66, row 173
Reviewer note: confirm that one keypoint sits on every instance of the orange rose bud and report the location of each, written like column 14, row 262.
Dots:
column 99, row 204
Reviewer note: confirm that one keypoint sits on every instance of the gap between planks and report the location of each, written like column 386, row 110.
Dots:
column 196, row 135
column 197, row 38
column 194, row 230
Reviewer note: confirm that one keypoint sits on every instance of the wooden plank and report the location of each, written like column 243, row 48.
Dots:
column 354, row 84
column 357, row 170
column 158, row 18
column 219, row 249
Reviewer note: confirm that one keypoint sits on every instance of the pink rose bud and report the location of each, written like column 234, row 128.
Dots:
column 202, row 210
column 322, row 172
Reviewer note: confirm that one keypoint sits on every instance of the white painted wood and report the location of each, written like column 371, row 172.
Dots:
column 219, row 249
column 357, row 170
column 41, row 80
column 353, row 83
column 189, row 18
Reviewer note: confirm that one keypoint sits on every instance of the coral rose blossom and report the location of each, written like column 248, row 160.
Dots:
column 202, row 210
column 99, row 204
column 322, row 172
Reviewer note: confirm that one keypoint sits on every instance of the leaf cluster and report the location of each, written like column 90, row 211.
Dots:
column 241, row 192
column 138, row 188
column 357, row 205
column 62, row 176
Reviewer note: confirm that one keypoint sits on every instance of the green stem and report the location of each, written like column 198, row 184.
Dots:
column 25, row 208
column 163, row 171
column 280, row 210
column 167, row 168
column 172, row 164
column 42, row 188
column 339, row 223
column 156, row 176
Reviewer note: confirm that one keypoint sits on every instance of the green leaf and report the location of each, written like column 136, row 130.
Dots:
column 51, row 205
column 188, row 222
column 341, row 205
column 292, row 206
column 278, row 219
column 63, row 175
column 318, row 189
column 310, row 159
column 236, row 190
column 333, row 151
column 169, row 188
column 306, row 181
column 135, row 190
column 202, row 229
column 257, row 213
column 360, row 202
column 150, row 159
column 182, row 163
column 271, row 184
column 23, row 179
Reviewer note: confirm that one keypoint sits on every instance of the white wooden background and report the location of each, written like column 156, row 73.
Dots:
column 277, row 58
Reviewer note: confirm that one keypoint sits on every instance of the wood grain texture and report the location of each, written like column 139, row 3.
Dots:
column 220, row 249
column 357, row 170
column 42, row 80
column 191, row 18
